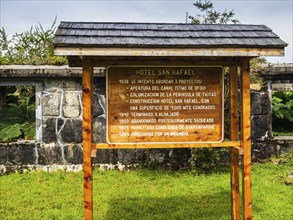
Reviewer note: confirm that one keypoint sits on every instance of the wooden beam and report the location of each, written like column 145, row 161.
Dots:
column 87, row 91
column 75, row 61
column 235, row 144
column 234, row 152
column 158, row 52
column 246, row 141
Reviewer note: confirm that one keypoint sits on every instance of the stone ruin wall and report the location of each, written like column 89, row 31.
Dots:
column 59, row 120
column 59, row 124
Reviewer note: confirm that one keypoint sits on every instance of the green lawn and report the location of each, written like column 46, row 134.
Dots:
column 144, row 195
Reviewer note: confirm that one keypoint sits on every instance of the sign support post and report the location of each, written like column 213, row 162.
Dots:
column 87, row 134
column 234, row 152
column 246, row 140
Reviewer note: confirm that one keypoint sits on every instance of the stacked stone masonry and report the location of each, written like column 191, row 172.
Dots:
column 59, row 124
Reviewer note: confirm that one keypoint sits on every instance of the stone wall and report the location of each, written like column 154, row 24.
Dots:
column 58, row 114
column 279, row 77
column 61, row 120
column 260, row 115
column 264, row 145
column 59, row 124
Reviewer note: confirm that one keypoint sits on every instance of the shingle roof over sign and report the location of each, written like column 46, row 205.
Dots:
column 85, row 34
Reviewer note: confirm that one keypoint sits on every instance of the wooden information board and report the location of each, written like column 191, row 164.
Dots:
column 156, row 104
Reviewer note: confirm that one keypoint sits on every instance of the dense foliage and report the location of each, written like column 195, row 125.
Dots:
column 258, row 66
column 282, row 107
column 18, row 114
column 34, row 47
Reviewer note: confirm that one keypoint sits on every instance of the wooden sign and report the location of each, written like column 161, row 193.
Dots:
column 156, row 104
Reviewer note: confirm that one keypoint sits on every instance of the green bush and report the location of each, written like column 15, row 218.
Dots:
column 18, row 114
column 209, row 160
column 282, row 108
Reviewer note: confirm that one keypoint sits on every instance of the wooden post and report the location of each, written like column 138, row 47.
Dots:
column 234, row 152
column 246, row 141
column 87, row 91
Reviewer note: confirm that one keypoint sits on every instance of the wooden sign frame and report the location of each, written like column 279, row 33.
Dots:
column 238, row 146
column 122, row 82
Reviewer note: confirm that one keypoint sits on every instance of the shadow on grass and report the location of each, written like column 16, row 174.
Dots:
column 212, row 206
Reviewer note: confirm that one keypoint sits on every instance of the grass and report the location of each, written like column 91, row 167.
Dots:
column 144, row 195
column 276, row 133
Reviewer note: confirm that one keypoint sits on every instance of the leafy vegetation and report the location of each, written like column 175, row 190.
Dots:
column 18, row 114
column 207, row 160
column 34, row 47
column 207, row 14
column 258, row 66
column 282, row 108
column 144, row 195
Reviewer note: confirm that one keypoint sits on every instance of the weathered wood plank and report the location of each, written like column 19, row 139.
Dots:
column 246, row 141
column 157, row 52
column 235, row 144
column 87, row 90
column 75, row 61
column 234, row 152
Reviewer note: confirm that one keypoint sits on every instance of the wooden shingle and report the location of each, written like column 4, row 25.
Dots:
column 86, row 34
column 166, row 39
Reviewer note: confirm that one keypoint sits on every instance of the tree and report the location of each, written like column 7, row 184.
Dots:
column 34, row 46
column 208, row 15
